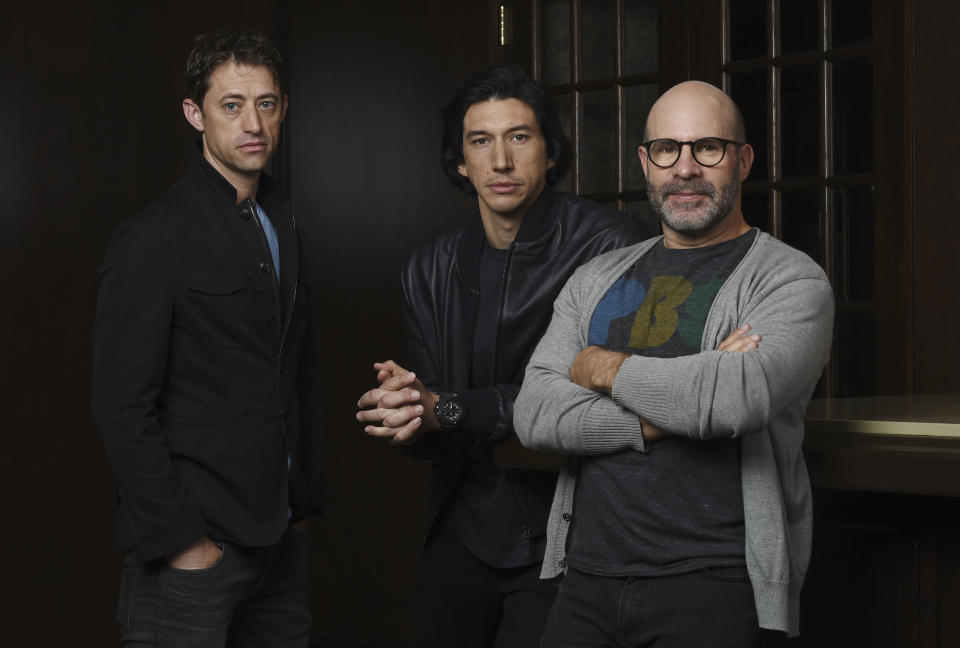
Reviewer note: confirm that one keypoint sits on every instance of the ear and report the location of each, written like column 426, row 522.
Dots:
column 193, row 113
column 746, row 161
column 642, row 153
column 283, row 108
column 462, row 169
column 549, row 163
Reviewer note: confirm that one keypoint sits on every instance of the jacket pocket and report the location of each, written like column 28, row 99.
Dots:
column 214, row 310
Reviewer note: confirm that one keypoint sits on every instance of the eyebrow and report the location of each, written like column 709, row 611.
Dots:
column 512, row 129
column 237, row 95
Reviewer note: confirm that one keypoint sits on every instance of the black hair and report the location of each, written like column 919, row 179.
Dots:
column 245, row 47
column 504, row 82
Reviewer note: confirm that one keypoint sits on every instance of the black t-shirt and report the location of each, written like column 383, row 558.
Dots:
column 679, row 506
column 485, row 514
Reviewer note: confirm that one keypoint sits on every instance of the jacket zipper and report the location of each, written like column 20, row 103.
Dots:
column 281, row 323
column 503, row 298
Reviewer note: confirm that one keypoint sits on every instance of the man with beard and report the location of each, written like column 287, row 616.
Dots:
column 691, row 523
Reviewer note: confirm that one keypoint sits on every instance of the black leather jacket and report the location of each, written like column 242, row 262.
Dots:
column 560, row 233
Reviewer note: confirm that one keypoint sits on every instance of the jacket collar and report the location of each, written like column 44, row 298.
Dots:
column 218, row 189
column 536, row 225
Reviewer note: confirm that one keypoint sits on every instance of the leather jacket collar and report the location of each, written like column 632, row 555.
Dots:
column 534, row 230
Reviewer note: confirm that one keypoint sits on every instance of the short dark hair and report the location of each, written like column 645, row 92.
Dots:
column 504, row 82
column 244, row 47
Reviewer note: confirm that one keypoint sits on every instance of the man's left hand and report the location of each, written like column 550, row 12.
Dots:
column 595, row 368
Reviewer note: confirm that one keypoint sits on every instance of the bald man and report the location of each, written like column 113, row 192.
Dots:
column 691, row 523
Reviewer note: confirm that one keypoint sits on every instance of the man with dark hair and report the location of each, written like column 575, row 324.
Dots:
column 477, row 297
column 684, row 518
column 205, row 388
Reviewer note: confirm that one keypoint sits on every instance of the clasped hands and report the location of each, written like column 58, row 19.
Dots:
column 400, row 408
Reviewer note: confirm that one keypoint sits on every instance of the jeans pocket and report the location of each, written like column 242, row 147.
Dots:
column 129, row 577
column 727, row 574
column 204, row 570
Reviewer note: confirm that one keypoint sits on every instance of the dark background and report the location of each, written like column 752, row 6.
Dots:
column 92, row 131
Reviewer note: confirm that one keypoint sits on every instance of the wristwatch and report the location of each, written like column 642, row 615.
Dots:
column 448, row 410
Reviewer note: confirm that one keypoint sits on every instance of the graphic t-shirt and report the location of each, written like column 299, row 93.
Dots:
column 679, row 506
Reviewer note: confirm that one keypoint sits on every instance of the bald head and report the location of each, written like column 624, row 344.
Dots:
column 694, row 105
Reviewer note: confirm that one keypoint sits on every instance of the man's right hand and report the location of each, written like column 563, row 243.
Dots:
column 739, row 341
column 201, row 554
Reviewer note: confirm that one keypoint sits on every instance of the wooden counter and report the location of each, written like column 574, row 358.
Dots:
column 894, row 444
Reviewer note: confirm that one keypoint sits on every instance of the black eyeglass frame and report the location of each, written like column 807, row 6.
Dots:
column 693, row 150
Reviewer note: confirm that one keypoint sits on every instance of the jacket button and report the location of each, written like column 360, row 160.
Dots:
column 245, row 213
column 271, row 323
column 525, row 532
column 265, row 268
column 566, row 517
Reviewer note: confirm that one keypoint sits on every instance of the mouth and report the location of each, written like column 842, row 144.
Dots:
column 684, row 196
column 253, row 147
column 503, row 187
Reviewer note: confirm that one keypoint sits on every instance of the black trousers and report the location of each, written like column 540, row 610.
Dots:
column 461, row 602
column 704, row 609
column 253, row 597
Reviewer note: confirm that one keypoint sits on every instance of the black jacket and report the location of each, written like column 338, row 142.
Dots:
column 560, row 233
column 204, row 381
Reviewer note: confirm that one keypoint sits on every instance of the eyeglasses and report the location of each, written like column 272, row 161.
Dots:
column 707, row 151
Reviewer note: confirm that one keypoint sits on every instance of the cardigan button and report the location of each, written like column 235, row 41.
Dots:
column 265, row 268
column 566, row 516
column 562, row 564
column 525, row 532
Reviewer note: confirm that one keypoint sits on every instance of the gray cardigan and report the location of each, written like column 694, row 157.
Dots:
column 760, row 394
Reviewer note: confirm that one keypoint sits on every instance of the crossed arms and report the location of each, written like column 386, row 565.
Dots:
column 586, row 401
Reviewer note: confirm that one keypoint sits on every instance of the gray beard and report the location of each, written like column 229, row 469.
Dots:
column 694, row 221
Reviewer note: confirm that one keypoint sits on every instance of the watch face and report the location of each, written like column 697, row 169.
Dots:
column 449, row 410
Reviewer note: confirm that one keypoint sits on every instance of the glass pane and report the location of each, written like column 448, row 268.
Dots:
column 800, row 151
column 853, row 116
column 597, row 42
column 642, row 210
column 798, row 26
column 854, row 244
column 852, row 22
column 749, row 91
column 756, row 208
column 597, row 142
column 640, row 37
column 801, row 222
column 564, row 112
column 638, row 99
column 555, row 30
column 748, row 29
column 855, row 353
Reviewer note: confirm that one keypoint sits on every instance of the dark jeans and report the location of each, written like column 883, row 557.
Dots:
column 251, row 597
column 461, row 602
column 708, row 608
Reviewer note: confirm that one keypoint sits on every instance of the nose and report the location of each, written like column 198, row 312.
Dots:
column 251, row 120
column 502, row 157
column 686, row 166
